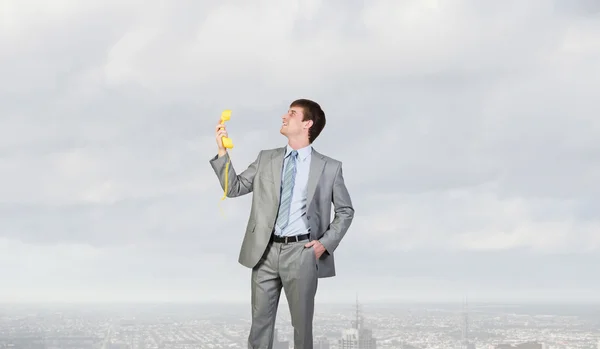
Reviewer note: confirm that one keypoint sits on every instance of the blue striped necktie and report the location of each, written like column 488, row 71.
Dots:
column 287, row 188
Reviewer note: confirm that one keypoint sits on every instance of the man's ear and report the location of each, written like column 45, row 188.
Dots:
column 308, row 124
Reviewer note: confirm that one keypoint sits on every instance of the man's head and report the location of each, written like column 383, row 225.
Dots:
column 304, row 121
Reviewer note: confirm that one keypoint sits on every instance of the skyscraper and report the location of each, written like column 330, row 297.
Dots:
column 357, row 337
column 466, row 342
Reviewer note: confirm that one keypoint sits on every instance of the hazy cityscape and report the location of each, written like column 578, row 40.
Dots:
column 214, row 326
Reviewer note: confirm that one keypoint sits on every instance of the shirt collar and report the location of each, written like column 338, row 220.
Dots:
column 303, row 153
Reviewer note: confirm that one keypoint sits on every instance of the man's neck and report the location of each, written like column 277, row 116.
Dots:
column 298, row 144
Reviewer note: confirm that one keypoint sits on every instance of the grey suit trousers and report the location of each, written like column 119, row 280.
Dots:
column 292, row 267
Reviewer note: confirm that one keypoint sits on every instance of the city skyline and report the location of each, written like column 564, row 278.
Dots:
column 417, row 326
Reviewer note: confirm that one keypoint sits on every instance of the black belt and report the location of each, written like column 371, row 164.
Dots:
column 286, row 239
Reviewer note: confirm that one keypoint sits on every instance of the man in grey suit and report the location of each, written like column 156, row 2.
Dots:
column 290, row 238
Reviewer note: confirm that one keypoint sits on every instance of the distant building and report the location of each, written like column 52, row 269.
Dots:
column 321, row 343
column 354, row 338
column 357, row 337
column 277, row 344
column 527, row 345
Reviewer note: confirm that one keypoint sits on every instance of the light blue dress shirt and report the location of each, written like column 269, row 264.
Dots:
column 297, row 224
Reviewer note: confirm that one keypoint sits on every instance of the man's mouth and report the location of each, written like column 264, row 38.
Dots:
column 284, row 124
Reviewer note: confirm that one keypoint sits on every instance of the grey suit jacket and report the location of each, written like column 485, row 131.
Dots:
column 263, row 179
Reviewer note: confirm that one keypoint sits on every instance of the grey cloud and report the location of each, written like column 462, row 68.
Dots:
column 577, row 7
column 484, row 269
column 181, row 220
column 342, row 18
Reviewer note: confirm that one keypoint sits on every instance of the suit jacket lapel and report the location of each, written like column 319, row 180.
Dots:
column 317, row 164
column 276, row 167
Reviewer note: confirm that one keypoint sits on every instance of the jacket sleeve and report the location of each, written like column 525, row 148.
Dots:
column 344, row 214
column 238, row 185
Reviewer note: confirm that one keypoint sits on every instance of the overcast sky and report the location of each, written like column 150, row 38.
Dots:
column 469, row 132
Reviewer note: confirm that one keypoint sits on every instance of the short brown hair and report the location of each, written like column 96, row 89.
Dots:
column 312, row 111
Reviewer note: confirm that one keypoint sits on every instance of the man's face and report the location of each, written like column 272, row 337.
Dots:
column 292, row 124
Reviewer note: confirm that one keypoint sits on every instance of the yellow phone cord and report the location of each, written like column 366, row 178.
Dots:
column 226, row 179
column 226, row 186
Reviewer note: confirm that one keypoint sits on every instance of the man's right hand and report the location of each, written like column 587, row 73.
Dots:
column 221, row 131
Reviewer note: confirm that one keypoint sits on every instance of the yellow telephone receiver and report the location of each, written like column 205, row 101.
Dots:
column 228, row 144
column 225, row 116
